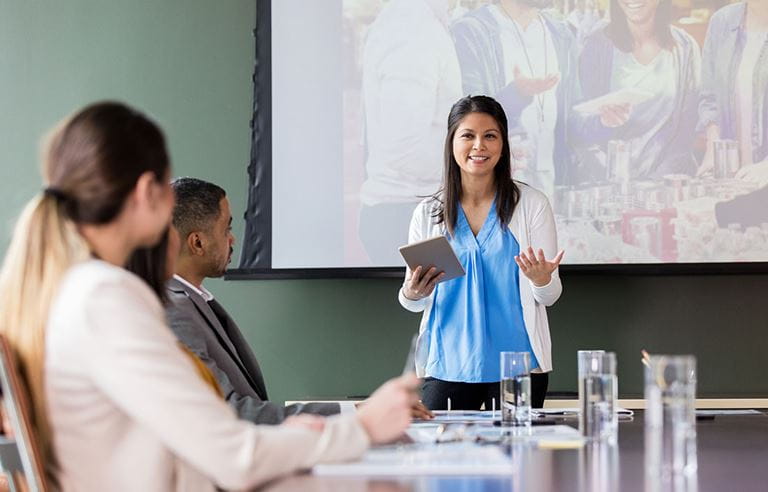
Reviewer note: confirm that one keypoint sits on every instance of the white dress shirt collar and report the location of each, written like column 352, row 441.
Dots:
column 202, row 291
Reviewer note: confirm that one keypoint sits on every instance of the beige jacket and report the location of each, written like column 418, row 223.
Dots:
column 129, row 412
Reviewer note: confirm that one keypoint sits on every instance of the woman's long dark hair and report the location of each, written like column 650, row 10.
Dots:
column 449, row 196
column 151, row 264
column 618, row 29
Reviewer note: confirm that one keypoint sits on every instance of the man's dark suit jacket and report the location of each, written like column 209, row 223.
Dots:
column 213, row 336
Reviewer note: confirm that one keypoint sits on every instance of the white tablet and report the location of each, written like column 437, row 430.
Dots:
column 434, row 252
column 627, row 95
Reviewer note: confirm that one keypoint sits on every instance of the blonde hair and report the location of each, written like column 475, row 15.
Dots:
column 92, row 163
column 44, row 245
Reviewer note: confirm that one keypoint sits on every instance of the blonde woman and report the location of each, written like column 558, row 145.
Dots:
column 117, row 405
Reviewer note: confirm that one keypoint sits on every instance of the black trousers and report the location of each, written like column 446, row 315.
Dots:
column 470, row 396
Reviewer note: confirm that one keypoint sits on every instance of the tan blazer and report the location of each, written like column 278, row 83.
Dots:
column 129, row 412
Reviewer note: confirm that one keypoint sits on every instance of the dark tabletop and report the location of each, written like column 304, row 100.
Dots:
column 732, row 457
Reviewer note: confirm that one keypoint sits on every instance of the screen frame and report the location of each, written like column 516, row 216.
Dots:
column 256, row 253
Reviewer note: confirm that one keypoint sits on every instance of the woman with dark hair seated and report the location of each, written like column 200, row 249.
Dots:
column 639, row 50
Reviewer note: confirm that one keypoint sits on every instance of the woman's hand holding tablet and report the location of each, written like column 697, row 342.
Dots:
column 421, row 282
column 430, row 261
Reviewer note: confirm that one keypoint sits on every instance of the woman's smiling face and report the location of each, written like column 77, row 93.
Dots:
column 477, row 144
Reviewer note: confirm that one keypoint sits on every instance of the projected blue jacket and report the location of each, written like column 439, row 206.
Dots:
column 481, row 58
column 672, row 145
column 721, row 57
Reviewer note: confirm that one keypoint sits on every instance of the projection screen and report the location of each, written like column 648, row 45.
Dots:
column 648, row 157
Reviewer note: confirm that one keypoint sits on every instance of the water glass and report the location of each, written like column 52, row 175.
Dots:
column 617, row 165
column 726, row 158
column 670, row 422
column 598, row 389
column 515, row 389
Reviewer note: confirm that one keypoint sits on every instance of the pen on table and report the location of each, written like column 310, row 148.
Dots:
column 646, row 357
column 659, row 370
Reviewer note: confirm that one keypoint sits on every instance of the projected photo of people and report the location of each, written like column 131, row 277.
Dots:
column 584, row 18
column 644, row 188
column 523, row 56
column 734, row 108
column 639, row 54
column 645, row 122
column 410, row 79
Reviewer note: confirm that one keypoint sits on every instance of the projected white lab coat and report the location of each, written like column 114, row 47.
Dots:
column 411, row 79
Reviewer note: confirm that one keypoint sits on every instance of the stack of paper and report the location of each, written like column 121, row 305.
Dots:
column 462, row 458
column 430, row 433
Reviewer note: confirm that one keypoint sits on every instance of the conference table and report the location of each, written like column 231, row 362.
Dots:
column 732, row 452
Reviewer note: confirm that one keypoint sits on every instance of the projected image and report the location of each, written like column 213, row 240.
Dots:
column 636, row 118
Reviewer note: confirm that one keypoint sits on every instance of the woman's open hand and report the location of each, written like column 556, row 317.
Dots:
column 536, row 267
column 614, row 115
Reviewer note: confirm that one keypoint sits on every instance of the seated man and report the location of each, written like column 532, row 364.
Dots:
column 203, row 218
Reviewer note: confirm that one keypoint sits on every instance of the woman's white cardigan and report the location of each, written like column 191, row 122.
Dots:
column 532, row 224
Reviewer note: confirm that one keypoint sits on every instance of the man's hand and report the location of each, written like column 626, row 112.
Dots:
column 419, row 411
column 530, row 87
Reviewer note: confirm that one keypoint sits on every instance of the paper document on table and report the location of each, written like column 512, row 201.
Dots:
column 476, row 416
column 724, row 411
column 574, row 411
column 488, row 416
column 627, row 95
column 537, row 434
column 562, row 436
column 461, row 458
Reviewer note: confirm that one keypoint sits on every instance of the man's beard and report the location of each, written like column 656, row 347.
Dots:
column 218, row 267
column 538, row 4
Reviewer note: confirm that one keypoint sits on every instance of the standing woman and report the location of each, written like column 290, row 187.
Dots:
column 116, row 404
column 503, row 232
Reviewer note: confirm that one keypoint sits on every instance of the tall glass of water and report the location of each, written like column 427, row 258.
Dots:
column 515, row 389
column 670, row 422
column 597, row 395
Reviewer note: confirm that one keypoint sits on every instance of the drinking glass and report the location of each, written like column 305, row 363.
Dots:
column 598, row 389
column 515, row 389
column 670, row 422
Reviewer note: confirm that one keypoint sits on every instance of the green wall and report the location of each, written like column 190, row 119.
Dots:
column 188, row 63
